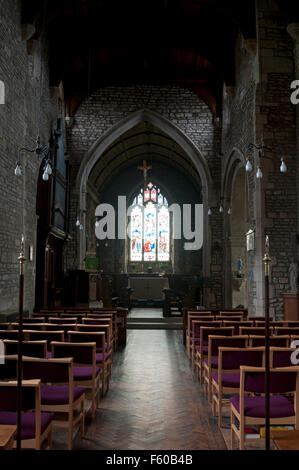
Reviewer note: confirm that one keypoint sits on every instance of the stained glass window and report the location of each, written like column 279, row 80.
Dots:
column 150, row 226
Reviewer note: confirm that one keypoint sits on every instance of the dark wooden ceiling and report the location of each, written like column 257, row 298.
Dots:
column 95, row 43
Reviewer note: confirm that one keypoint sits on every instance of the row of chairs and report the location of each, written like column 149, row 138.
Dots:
column 230, row 363
column 64, row 366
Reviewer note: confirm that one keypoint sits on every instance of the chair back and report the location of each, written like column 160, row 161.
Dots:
column 9, row 334
column 49, row 336
column 279, row 341
column 87, row 337
column 45, row 313
column 63, row 321
column 103, row 328
column 82, row 353
column 234, row 358
column 5, row 326
column 286, row 331
column 255, row 319
column 231, row 313
column 97, row 321
column 197, row 324
column 236, row 324
column 40, row 319
column 78, row 316
column 281, row 380
column 291, row 324
column 48, row 370
column 62, row 326
column 281, row 357
column 30, row 326
column 215, row 342
column 30, row 395
column 205, row 332
column 8, row 370
column 262, row 323
column 30, row 348
column 253, row 330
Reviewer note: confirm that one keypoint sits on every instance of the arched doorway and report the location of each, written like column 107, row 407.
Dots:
column 239, row 228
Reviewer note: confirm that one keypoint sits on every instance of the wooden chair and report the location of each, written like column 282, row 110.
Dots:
column 58, row 392
column 202, row 349
column 40, row 319
column 102, row 321
column 45, row 314
column 279, row 341
column 211, row 361
column 195, row 335
column 86, row 372
column 193, row 316
column 281, row 357
column 63, row 321
column 36, row 425
column 232, row 313
column 255, row 319
column 102, row 359
column 226, row 380
column 9, row 334
column 250, row 410
column 30, row 348
column 254, row 331
column 30, row 326
column 107, row 329
column 48, row 336
column 286, row 331
column 236, row 324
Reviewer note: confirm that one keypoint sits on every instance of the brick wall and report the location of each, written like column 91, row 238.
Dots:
column 18, row 128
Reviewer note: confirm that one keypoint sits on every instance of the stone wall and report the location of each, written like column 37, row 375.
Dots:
column 20, row 73
column 108, row 106
column 275, row 119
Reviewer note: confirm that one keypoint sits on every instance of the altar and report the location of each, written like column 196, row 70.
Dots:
column 148, row 288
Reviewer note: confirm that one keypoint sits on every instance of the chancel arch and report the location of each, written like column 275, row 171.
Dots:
column 190, row 159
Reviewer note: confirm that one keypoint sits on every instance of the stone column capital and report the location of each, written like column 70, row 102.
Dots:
column 293, row 30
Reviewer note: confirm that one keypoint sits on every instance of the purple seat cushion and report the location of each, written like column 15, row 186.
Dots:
column 58, row 394
column 49, row 355
column 204, row 349
column 280, row 407
column 214, row 362
column 28, row 422
column 99, row 357
column 229, row 379
column 98, row 350
column 84, row 372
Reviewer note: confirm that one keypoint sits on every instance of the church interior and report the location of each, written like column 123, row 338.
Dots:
column 149, row 225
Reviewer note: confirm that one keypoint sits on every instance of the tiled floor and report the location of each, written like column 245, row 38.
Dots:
column 154, row 401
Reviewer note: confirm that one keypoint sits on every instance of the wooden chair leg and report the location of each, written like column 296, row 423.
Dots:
column 70, row 433
column 220, row 411
column 93, row 400
column 83, row 418
column 50, row 440
column 232, row 434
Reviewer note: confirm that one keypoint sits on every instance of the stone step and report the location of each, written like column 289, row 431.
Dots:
column 154, row 326
column 155, row 320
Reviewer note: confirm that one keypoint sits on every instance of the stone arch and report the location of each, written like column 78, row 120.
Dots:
column 98, row 148
column 235, row 163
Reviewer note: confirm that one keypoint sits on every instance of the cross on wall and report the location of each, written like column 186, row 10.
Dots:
column 145, row 169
